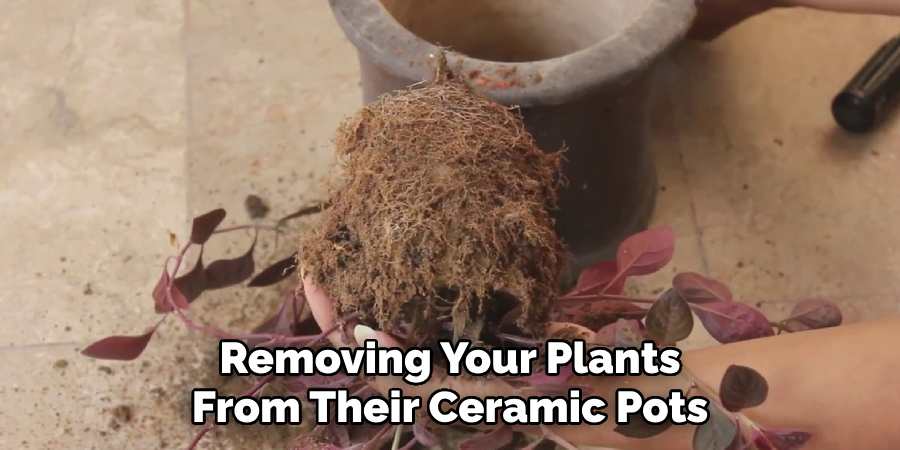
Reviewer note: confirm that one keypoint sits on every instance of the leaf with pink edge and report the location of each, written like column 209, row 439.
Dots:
column 813, row 314
column 729, row 322
column 696, row 288
column 597, row 278
column 120, row 348
column 786, row 439
column 646, row 252
column 162, row 291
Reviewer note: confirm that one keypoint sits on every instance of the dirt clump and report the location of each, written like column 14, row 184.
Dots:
column 439, row 225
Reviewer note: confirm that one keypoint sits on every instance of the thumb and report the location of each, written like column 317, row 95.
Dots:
column 478, row 387
column 363, row 333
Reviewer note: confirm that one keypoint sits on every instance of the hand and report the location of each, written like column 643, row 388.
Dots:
column 715, row 17
column 321, row 306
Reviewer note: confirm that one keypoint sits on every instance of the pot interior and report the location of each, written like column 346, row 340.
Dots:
column 515, row 30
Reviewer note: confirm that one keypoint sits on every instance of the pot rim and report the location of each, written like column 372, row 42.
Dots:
column 384, row 42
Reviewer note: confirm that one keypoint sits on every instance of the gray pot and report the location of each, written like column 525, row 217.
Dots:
column 580, row 70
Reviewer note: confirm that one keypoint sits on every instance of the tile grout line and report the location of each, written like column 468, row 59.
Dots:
column 694, row 222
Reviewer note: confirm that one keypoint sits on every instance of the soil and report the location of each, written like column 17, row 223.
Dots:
column 439, row 225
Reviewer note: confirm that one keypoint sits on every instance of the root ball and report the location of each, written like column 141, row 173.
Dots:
column 439, row 223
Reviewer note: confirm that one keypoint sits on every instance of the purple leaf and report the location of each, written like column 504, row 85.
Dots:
column 813, row 314
column 122, row 348
column 717, row 433
column 204, row 226
column 492, row 440
column 742, row 387
column 729, row 322
column 275, row 273
column 596, row 278
column 229, row 272
column 284, row 322
column 646, row 252
column 193, row 283
column 638, row 428
column 696, row 288
column 787, row 439
column 425, row 437
column 669, row 319
column 622, row 333
column 161, row 294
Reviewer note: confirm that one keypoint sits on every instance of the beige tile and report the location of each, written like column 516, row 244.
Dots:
column 92, row 145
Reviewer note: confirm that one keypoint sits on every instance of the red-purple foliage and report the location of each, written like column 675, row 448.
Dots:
column 630, row 321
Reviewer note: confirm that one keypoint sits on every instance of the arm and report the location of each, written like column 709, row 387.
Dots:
column 714, row 17
column 887, row 7
column 842, row 384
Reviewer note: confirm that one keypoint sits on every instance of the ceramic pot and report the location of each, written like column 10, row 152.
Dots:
column 579, row 70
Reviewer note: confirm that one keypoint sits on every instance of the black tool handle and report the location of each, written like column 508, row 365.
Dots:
column 870, row 94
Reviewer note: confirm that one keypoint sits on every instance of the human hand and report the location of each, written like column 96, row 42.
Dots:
column 715, row 17
column 321, row 307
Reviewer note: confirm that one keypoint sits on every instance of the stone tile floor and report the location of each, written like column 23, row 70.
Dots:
column 120, row 120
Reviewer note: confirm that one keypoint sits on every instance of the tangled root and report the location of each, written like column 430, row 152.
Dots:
column 439, row 226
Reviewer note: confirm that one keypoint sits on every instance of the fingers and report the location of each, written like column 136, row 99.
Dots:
column 322, row 308
column 464, row 386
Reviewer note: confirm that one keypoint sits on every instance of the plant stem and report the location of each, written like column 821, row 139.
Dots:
column 255, row 227
column 317, row 208
column 210, row 425
column 398, row 433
